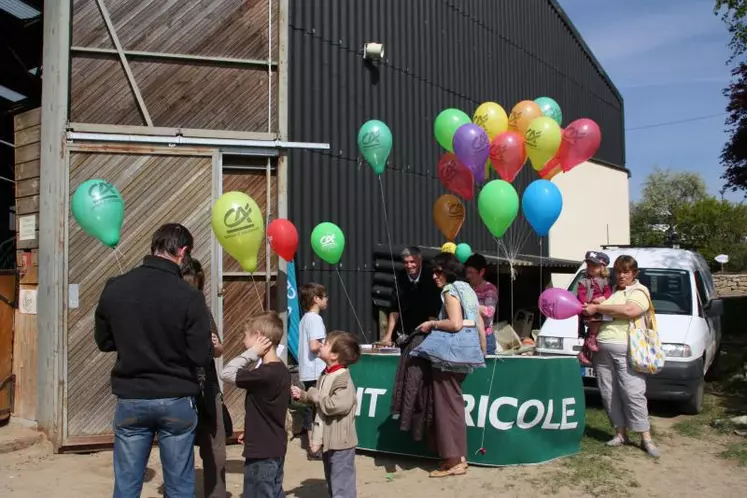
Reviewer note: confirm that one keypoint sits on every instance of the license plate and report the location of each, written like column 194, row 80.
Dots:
column 587, row 372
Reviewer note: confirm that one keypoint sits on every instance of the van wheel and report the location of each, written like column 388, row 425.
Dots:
column 694, row 405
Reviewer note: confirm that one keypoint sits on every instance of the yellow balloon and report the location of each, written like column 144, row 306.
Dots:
column 492, row 118
column 449, row 247
column 542, row 140
column 239, row 227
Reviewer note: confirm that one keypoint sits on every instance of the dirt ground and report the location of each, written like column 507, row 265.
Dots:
column 691, row 465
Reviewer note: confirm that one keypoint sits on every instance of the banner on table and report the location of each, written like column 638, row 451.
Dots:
column 521, row 410
column 293, row 310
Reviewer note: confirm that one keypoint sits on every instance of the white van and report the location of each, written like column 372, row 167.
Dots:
column 688, row 314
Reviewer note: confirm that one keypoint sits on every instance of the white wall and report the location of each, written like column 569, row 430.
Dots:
column 596, row 211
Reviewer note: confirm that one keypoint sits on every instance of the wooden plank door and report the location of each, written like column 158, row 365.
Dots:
column 7, row 301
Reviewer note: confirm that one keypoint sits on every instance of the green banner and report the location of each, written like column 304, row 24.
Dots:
column 521, row 410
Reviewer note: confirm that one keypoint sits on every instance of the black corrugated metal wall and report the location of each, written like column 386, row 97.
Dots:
column 439, row 54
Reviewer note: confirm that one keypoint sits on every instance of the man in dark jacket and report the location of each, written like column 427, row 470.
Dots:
column 419, row 297
column 159, row 326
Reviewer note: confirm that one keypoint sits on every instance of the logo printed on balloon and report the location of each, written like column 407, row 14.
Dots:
column 450, row 170
column 456, row 210
column 371, row 139
column 328, row 241
column 513, row 119
column 547, row 306
column 531, row 137
column 103, row 191
column 573, row 134
column 234, row 217
column 480, row 120
column 480, row 142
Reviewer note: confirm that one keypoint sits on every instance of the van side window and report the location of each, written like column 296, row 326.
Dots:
column 702, row 294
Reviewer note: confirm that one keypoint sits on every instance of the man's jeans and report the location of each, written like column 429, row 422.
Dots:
column 136, row 422
column 263, row 478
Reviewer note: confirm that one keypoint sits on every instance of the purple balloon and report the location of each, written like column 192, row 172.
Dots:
column 559, row 304
column 472, row 147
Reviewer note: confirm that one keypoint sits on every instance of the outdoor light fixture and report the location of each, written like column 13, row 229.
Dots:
column 373, row 51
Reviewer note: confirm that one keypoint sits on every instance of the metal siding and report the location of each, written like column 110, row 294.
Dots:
column 150, row 202
column 438, row 54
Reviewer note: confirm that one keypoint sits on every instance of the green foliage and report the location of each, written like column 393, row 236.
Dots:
column 678, row 202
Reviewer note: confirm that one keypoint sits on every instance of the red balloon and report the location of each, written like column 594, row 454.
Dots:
column 508, row 154
column 455, row 176
column 581, row 140
column 283, row 238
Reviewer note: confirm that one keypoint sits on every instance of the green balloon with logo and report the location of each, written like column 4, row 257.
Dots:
column 98, row 208
column 328, row 242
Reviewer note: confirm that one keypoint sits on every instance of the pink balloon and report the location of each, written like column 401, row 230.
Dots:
column 559, row 304
column 581, row 140
column 508, row 155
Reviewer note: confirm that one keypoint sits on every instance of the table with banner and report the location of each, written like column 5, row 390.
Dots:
column 519, row 409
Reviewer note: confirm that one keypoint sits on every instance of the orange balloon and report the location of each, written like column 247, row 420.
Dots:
column 448, row 212
column 522, row 114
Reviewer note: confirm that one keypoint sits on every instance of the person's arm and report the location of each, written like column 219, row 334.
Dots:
column 341, row 398
column 487, row 308
column 483, row 335
column 102, row 332
column 197, row 332
column 581, row 293
column 635, row 306
column 454, row 321
column 246, row 360
column 217, row 344
column 308, row 397
column 317, row 333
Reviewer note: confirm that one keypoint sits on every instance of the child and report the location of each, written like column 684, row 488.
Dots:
column 311, row 336
column 595, row 288
column 334, row 425
column 265, row 406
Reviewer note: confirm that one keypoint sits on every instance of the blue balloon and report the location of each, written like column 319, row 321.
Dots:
column 542, row 204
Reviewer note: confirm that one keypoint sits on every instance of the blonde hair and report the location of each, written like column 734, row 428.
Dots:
column 605, row 272
column 268, row 324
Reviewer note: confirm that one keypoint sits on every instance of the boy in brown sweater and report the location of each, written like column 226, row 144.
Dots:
column 334, row 426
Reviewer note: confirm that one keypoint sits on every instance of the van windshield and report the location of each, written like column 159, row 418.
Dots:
column 670, row 289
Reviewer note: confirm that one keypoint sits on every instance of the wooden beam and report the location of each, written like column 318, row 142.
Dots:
column 204, row 59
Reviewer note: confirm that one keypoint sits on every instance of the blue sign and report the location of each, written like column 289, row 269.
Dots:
column 293, row 310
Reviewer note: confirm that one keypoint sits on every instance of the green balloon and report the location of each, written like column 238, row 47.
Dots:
column 446, row 124
column 498, row 204
column 463, row 252
column 375, row 143
column 328, row 242
column 98, row 208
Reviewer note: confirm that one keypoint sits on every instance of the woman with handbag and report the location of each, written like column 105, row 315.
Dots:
column 455, row 346
column 214, row 423
column 622, row 387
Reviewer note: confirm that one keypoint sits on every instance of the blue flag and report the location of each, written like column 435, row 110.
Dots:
column 293, row 310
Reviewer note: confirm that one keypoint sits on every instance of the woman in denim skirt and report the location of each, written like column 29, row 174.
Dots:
column 455, row 346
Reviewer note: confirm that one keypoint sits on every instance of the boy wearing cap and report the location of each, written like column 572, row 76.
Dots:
column 595, row 288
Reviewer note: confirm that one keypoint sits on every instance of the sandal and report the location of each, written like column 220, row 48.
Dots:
column 617, row 441
column 459, row 469
column 650, row 448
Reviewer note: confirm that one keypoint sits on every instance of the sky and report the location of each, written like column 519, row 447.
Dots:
column 668, row 60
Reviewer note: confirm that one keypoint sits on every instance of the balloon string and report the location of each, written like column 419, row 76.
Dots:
column 542, row 285
column 490, row 394
column 350, row 302
column 391, row 255
column 119, row 263
column 259, row 296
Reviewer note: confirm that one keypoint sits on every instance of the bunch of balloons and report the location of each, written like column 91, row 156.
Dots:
column 531, row 131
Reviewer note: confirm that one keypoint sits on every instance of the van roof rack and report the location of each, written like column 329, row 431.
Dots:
column 629, row 246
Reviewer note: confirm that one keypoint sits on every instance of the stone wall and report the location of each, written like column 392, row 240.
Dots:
column 730, row 284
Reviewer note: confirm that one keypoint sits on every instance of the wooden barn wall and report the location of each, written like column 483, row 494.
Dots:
column 157, row 188
column 27, row 136
column 244, row 296
column 218, row 94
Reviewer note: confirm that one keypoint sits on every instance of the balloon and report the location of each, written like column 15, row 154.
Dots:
column 283, row 238
column 542, row 204
column 375, row 144
column 448, row 212
column 559, row 304
column 446, row 124
column 542, row 140
column 463, row 252
column 550, row 108
column 498, row 204
column 472, row 147
column 455, row 176
column 492, row 118
column 98, row 208
column 581, row 140
column 328, row 242
column 239, row 227
column 522, row 115
column 508, row 155
column 449, row 247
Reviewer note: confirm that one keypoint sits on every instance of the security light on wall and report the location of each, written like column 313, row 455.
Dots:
column 373, row 51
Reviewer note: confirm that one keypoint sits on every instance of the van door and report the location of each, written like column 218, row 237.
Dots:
column 713, row 329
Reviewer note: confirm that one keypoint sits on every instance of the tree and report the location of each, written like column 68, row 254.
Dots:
column 653, row 217
column 734, row 153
